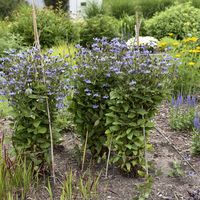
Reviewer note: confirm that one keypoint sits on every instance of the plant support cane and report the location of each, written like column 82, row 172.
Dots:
column 37, row 44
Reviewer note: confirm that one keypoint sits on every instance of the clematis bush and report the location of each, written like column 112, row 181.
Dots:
column 28, row 80
column 116, row 94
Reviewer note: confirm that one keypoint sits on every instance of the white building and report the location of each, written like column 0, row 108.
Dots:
column 76, row 7
column 38, row 3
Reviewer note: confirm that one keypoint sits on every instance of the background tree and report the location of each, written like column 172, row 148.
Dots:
column 7, row 6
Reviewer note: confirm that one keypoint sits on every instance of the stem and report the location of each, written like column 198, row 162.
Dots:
column 84, row 151
column 51, row 138
column 108, row 159
column 145, row 149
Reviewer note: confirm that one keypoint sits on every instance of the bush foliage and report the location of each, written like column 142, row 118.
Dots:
column 53, row 26
column 98, row 27
column 116, row 94
column 181, row 20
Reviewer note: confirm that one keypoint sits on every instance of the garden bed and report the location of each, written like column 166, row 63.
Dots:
column 123, row 187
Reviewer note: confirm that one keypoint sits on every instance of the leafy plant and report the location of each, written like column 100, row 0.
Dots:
column 196, row 136
column 37, row 78
column 182, row 112
column 187, row 52
column 7, row 39
column 16, row 176
column 53, row 26
column 116, row 94
column 145, row 189
column 80, row 186
column 181, row 20
column 148, row 8
column 98, row 27
column 7, row 7
column 93, row 9
column 177, row 170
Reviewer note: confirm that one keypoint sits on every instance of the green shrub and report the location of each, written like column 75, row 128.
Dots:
column 37, row 79
column 98, row 27
column 116, row 93
column 119, row 8
column 7, row 39
column 53, row 27
column 180, row 20
column 93, row 9
column 7, row 6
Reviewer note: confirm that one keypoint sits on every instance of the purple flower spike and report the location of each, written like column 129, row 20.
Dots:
column 173, row 101
column 196, row 122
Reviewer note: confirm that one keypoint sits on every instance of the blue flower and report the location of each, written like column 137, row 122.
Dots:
column 88, row 81
column 95, row 106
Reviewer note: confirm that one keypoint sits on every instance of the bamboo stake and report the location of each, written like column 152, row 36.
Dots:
column 145, row 149
column 108, row 159
column 84, row 151
column 137, row 29
column 37, row 44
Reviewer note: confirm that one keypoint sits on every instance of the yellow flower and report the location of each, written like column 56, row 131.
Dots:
column 198, row 47
column 162, row 44
column 170, row 34
column 194, row 51
column 190, row 39
column 178, row 55
column 191, row 63
column 175, row 43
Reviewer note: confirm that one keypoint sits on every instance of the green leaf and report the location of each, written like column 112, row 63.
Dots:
column 141, row 173
column 113, row 95
column 141, row 111
column 42, row 130
column 45, row 145
column 129, row 146
column 116, row 159
column 149, row 124
column 36, row 123
column 128, row 130
column 126, row 107
column 110, row 114
column 131, row 116
column 130, row 136
column 114, row 128
column 116, row 123
column 133, row 162
column 128, row 166
column 132, row 124
column 97, row 122
column 108, row 120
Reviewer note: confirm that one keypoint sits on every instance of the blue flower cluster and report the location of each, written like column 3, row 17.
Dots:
column 107, row 63
column 21, row 72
